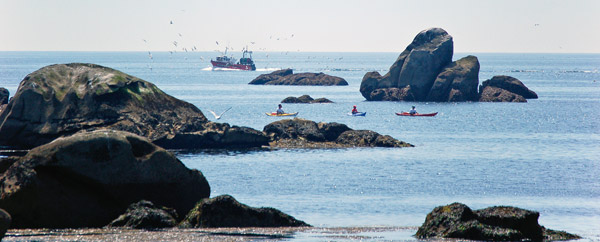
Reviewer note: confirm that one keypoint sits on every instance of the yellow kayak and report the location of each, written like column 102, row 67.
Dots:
column 282, row 115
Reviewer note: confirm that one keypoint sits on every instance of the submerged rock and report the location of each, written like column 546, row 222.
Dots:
column 59, row 100
column 302, row 133
column 88, row 179
column 499, row 223
column 305, row 99
column 287, row 77
column 225, row 211
column 145, row 215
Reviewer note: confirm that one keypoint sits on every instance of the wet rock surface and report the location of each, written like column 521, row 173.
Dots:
column 145, row 215
column 302, row 133
column 500, row 223
column 287, row 77
column 225, row 211
column 90, row 178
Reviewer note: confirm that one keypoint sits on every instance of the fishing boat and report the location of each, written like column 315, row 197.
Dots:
column 245, row 63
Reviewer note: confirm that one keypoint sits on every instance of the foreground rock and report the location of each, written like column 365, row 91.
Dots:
column 305, row 99
column 302, row 133
column 287, row 77
column 494, row 223
column 415, row 70
column 145, row 215
column 505, row 89
column 59, row 100
column 225, row 211
column 90, row 178
column 5, row 220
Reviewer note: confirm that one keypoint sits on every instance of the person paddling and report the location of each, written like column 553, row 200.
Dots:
column 413, row 111
column 354, row 110
column 280, row 110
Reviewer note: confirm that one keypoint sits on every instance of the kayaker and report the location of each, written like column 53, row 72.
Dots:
column 413, row 111
column 280, row 110
column 354, row 110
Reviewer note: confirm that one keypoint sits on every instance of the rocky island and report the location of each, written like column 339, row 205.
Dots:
column 425, row 72
column 287, row 77
column 305, row 99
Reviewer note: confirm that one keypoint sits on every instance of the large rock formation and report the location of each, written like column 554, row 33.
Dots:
column 302, row 133
column 457, row 82
column 305, row 99
column 225, row 211
column 287, row 77
column 88, row 179
column 59, row 100
column 494, row 223
column 415, row 70
column 424, row 72
column 505, row 89
column 145, row 215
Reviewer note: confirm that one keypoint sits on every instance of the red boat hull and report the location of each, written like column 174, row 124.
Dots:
column 217, row 64
column 418, row 114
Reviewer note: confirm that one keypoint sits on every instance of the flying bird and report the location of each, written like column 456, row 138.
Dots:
column 220, row 115
column 217, row 42
column 171, row 22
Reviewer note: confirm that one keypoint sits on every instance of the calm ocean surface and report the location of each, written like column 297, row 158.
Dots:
column 543, row 155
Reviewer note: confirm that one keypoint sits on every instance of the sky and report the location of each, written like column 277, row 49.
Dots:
column 522, row 26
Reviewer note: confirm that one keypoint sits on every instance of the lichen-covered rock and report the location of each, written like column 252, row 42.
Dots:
column 225, row 211
column 145, row 215
column 499, row 223
column 59, row 100
column 417, row 67
column 302, row 133
column 457, row 82
column 305, row 99
column 88, row 179
column 287, row 77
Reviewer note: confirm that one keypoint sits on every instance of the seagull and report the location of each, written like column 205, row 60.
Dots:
column 171, row 22
column 220, row 115
column 175, row 43
column 217, row 42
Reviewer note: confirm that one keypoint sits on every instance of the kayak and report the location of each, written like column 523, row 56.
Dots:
column 418, row 114
column 357, row 114
column 282, row 115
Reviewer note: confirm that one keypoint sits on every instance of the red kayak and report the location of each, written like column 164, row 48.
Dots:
column 417, row 114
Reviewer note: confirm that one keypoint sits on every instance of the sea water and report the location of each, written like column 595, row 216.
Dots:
column 542, row 155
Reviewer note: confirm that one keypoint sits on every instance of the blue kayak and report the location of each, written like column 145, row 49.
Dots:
column 357, row 114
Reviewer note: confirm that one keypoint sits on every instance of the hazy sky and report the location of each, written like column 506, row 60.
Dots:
column 571, row 26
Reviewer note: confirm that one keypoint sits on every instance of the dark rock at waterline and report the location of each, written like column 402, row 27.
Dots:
column 457, row 82
column 215, row 135
column 499, row 223
column 4, row 95
column 90, row 178
column 415, row 70
column 510, row 84
column 225, row 211
column 5, row 220
column 59, row 100
column 305, row 99
column 287, row 77
column 302, row 133
column 6, row 162
column 145, row 215
column 496, row 94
